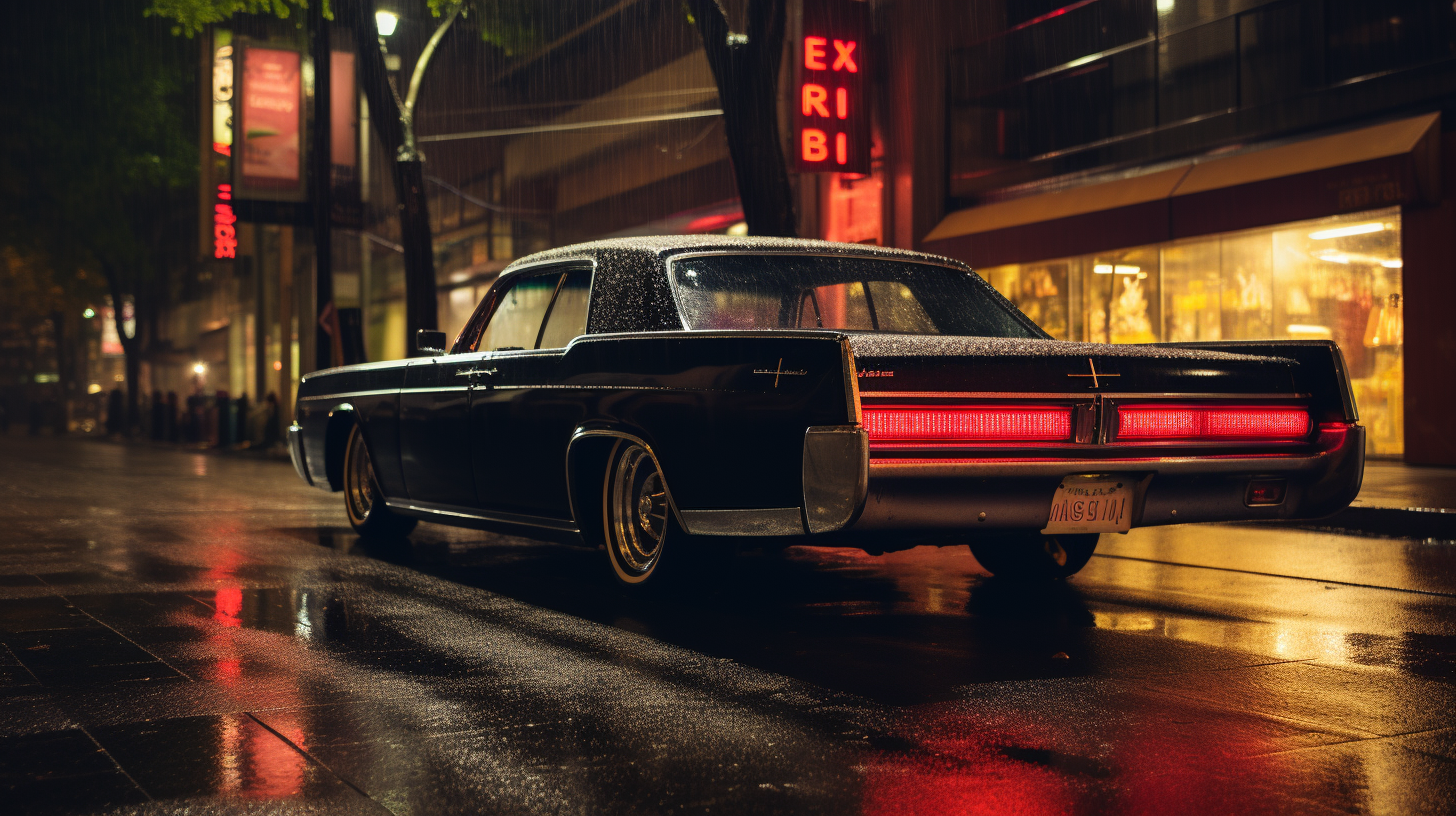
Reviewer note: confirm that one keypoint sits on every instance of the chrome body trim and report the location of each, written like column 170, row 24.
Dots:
column 347, row 395
column 452, row 512
column 295, row 452
column 771, row 521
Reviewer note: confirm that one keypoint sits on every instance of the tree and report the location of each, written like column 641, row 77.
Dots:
column 100, row 147
column 746, row 71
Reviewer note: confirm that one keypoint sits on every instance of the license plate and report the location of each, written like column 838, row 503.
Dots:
column 1091, row 505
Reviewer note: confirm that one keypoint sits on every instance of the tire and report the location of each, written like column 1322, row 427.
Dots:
column 1034, row 556
column 363, row 500
column 637, row 518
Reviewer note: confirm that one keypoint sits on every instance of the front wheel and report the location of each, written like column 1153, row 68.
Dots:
column 363, row 500
column 1035, row 556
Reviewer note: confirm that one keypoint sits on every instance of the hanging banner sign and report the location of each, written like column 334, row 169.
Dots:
column 269, row 125
column 831, row 111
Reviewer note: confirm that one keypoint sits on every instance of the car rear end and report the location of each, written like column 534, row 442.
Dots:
column 970, row 434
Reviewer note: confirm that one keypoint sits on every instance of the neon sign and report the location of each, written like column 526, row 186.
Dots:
column 832, row 115
column 224, row 234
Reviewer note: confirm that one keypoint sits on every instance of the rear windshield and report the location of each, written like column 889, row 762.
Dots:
column 831, row 292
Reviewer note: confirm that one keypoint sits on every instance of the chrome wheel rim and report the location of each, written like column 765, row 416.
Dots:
column 639, row 512
column 358, row 476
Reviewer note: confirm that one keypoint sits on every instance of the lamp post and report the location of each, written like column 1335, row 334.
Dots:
column 328, row 348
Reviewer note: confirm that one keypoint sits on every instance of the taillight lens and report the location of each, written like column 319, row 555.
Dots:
column 967, row 424
column 1198, row 422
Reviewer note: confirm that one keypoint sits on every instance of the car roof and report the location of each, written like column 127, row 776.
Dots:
column 635, row 250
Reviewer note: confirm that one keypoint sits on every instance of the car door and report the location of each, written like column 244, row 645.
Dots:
column 434, row 429
column 522, row 417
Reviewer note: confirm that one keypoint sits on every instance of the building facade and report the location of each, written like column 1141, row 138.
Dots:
column 1124, row 170
column 1174, row 170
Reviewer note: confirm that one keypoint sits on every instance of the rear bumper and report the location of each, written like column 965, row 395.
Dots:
column 975, row 494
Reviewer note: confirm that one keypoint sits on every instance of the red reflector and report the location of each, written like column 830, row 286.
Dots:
column 1266, row 492
column 957, row 424
column 1170, row 422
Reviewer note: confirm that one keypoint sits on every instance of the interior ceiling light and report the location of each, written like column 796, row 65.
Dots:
column 1102, row 269
column 1126, row 270
column 385, row 21
column 1334, row 258
column 1393, row 264
column 1344, row 232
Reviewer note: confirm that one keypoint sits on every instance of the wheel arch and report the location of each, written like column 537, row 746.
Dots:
column 587, row 456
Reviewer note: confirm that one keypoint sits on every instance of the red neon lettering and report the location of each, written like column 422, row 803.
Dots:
column 814, row 96
column 843, row 51
column 814, row 53
column 816, row 145
column 224, row 235
column 841, row 102
column 841, row 148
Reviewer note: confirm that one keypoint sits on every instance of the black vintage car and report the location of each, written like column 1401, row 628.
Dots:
column 654, row 395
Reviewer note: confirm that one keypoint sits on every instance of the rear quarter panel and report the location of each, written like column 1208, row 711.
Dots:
column 725, row 413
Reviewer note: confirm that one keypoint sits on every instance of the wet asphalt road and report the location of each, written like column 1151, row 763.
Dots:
column 187, row 632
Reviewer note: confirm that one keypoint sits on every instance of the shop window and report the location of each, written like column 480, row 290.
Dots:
column 1331, row 279
column 1038, row 290
column 1194, row 287
column 1121, row 297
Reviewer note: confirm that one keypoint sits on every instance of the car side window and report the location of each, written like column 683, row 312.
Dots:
column 567, row 318
column 516, row 322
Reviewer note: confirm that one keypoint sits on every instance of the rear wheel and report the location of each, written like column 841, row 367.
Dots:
column 638, row 519
column 1035, row 557
column 363, row 500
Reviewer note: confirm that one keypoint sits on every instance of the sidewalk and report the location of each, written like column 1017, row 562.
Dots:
column 1401, row 500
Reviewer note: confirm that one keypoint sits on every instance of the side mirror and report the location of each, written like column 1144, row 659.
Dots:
column 429, row 343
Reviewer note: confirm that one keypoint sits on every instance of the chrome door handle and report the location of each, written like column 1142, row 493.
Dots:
column 470, row 372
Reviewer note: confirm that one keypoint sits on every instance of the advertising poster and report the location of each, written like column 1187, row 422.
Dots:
column 270, row 107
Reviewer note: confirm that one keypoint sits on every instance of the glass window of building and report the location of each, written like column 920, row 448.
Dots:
column 1335, row 279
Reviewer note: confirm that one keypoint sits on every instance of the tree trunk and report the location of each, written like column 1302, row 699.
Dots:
column 421, row 304
column 130, row 348
column 64, row 375
column 747, row 76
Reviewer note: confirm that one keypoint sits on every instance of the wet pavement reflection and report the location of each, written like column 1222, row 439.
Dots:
column 183, row 631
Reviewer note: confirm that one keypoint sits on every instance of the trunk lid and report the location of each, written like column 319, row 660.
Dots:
column 929, row 364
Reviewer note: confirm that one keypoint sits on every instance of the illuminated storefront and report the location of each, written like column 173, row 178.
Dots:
column 1327, row 279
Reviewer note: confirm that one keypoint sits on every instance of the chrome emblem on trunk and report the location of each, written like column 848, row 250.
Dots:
column 780, row 372
column 1095, row 373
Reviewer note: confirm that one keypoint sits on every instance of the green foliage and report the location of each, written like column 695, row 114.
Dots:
column 192, row 16
column 99, row 152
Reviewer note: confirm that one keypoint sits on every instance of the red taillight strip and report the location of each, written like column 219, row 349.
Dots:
column 956, row 424
column 1142, row 422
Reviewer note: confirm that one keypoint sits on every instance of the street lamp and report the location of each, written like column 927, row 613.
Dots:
column 385, row 21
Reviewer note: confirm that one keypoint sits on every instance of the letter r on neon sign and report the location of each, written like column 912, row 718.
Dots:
column 814, row 97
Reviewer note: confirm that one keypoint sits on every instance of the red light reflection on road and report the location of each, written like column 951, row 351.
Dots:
column 228, row 603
